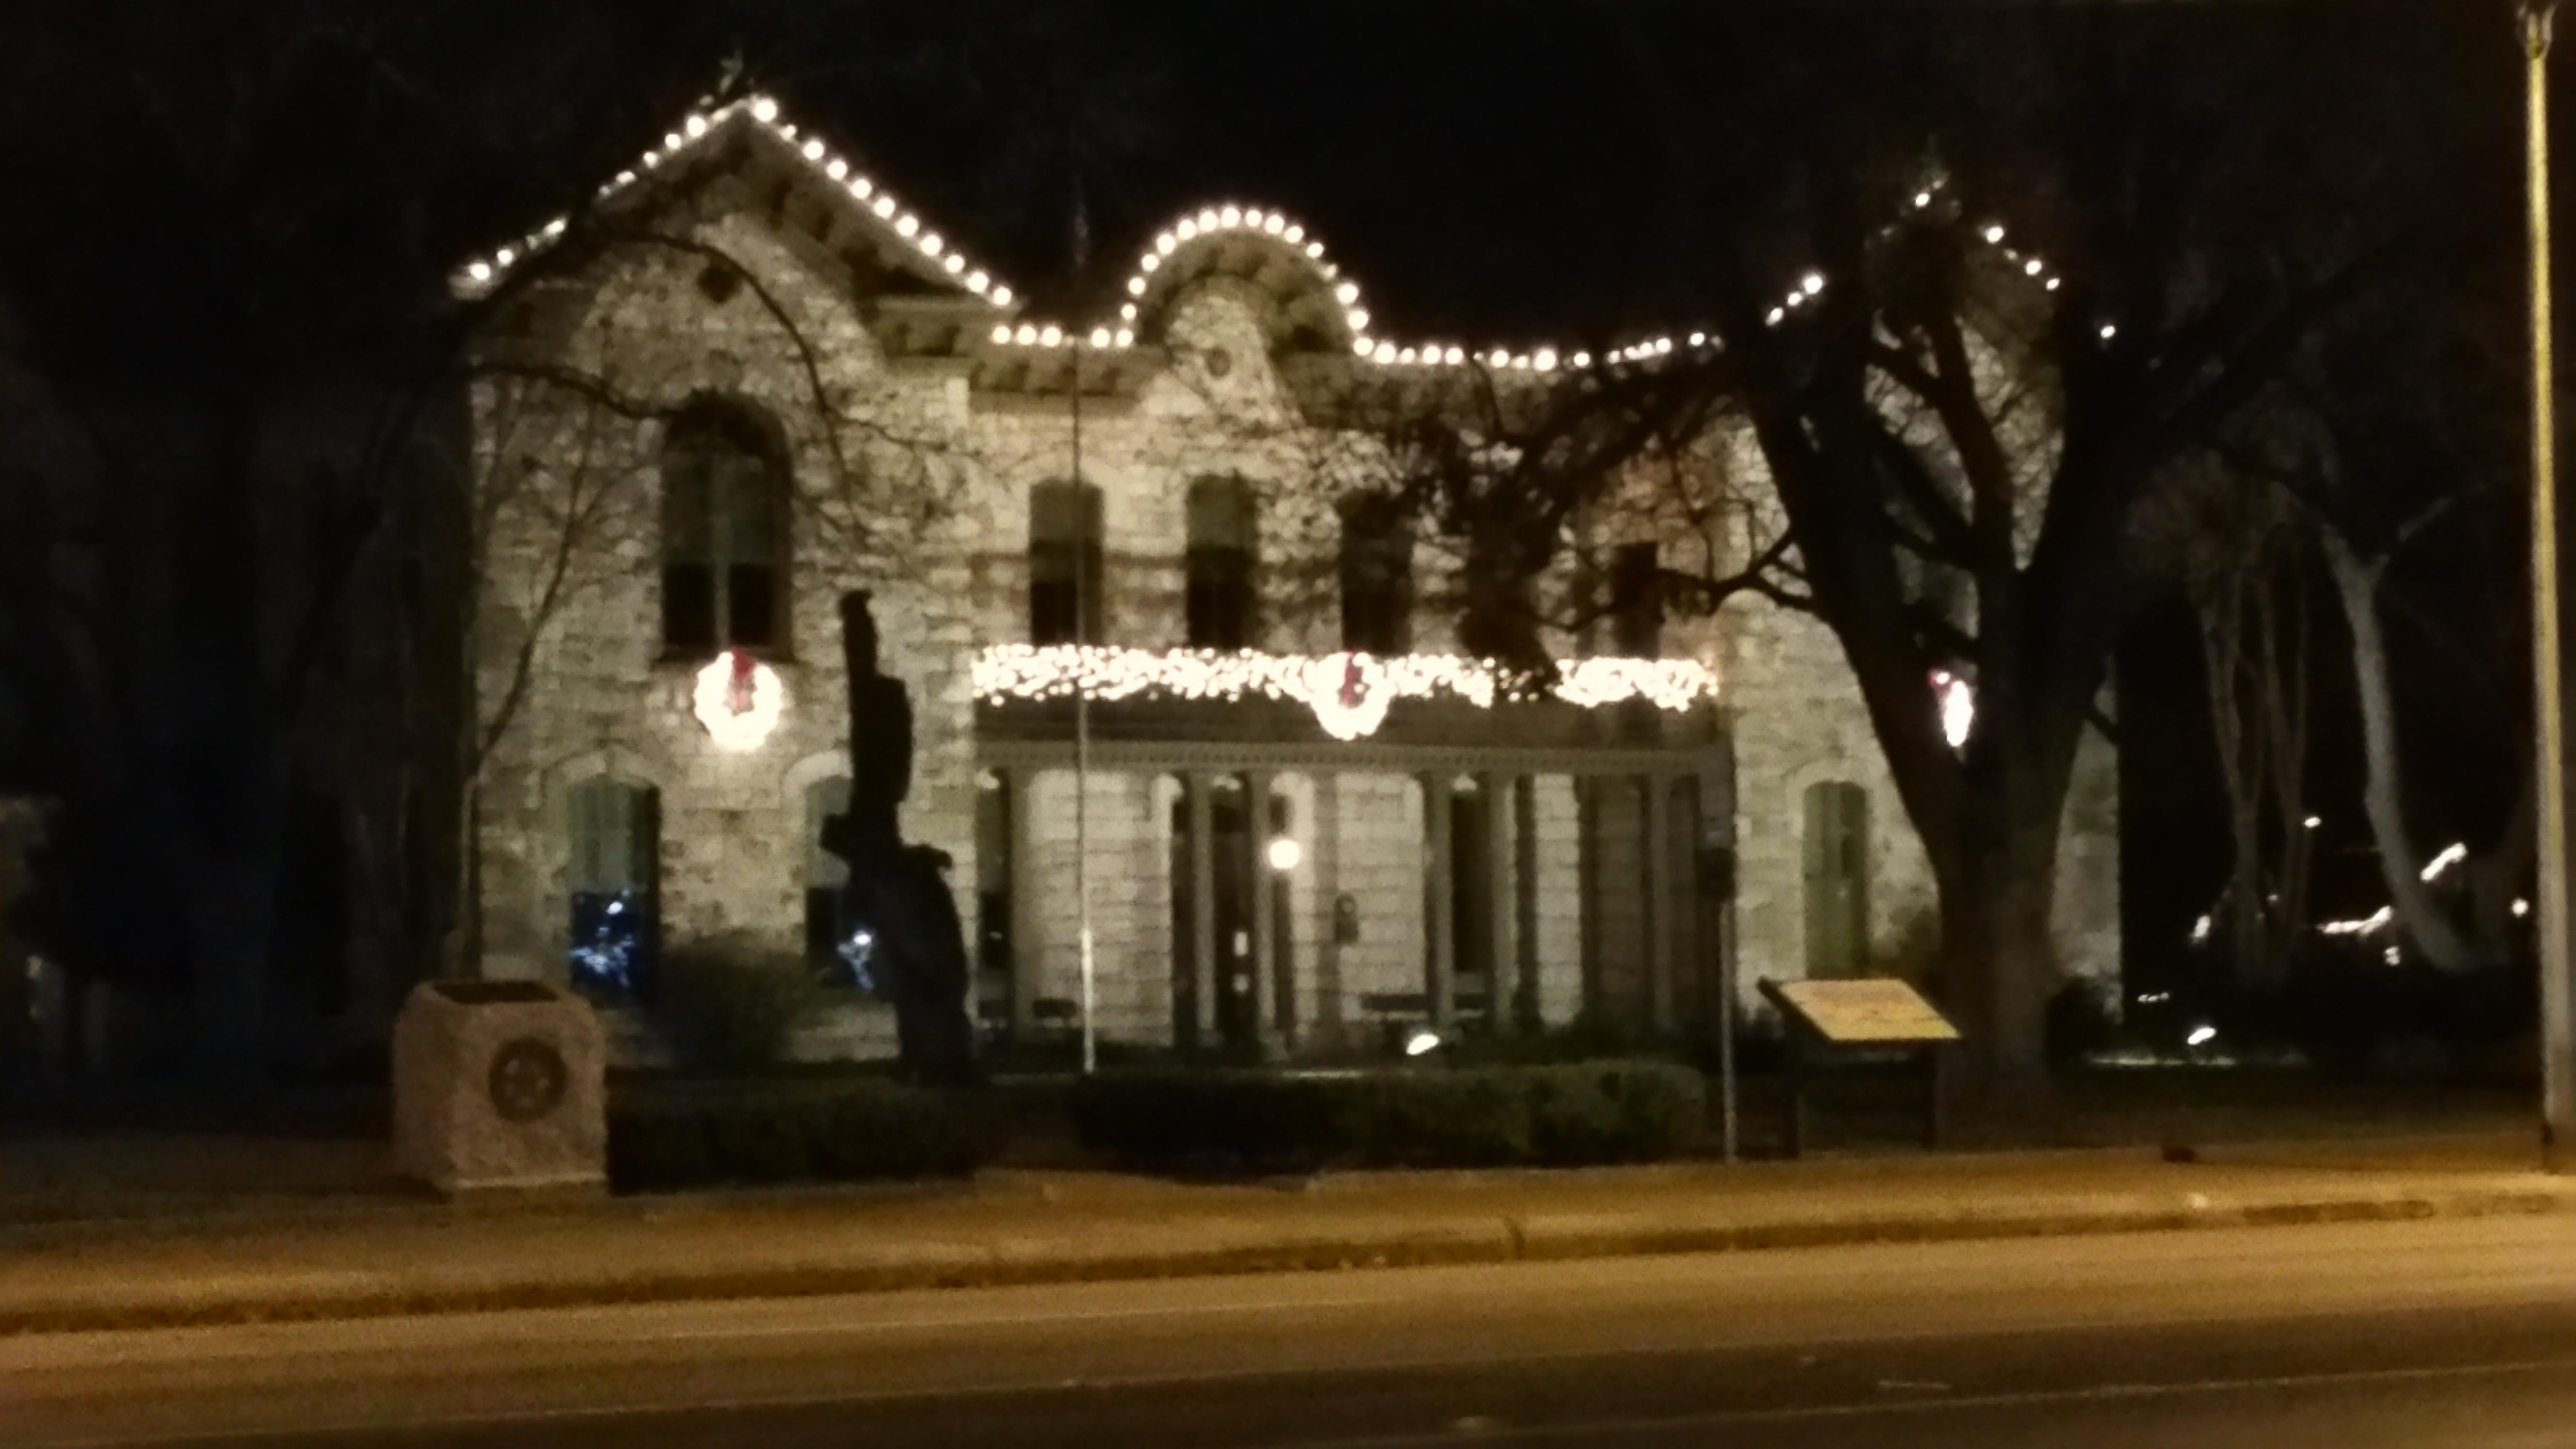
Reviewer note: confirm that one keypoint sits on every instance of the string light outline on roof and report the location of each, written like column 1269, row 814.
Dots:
column 708, row 118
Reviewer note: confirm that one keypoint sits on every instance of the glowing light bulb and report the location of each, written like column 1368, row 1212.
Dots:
column 1293, row 234
column 1315, row 250
column 1544, row 359
column 697, row 127
column 1812, row 283
column 1001, row 296
column 976, row 282
column 956, row 263
column 907, row 224
column 1348, row 292
column 1207, row 219
column 2109, row 331
column 1359, row 318
column 763, row 109
column 480, row 271
column 1027, row 336
column 1285, row 854
column 930, row 244
column 838, row 170
column 1165, row 243
column 1994, row 233
column 1922, row 198
column 1384, row 352
column 1127, row 311
column 1136, row 286
column 2031, row 268
column 1126, row 337
column 1002, row 333
column 813, row 150
column 1052, row 336
column 1230, row 217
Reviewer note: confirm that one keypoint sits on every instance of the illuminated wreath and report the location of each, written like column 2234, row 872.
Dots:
column 1349, row 694
column 739, row 700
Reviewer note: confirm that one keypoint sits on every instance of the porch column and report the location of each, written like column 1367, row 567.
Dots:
column 1325, row 888
column 1203, row 967
column 1258, row 984
column 1019, row 797
column 1439, row 903
column 1663, row 910
column 1587, row 877
column 1527, row 1003
column 1502, row 900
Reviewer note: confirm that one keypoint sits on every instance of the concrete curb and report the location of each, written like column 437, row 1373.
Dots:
column 1216, row 1247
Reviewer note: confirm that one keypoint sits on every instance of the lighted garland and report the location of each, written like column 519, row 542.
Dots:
column 708, row 118
column 1349, row 693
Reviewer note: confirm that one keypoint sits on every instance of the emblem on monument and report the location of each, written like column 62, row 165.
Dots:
column 528, row 1079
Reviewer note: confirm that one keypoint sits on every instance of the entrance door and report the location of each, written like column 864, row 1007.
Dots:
column 1235, row 976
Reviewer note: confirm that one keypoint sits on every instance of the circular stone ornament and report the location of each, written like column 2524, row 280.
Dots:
column 528, row 1079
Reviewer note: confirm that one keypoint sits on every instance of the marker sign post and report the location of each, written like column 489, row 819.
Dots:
column 1836, row 1022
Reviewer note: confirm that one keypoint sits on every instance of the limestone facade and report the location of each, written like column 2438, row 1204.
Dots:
column 910, row 444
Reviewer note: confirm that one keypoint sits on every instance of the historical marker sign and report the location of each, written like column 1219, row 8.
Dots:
column 1870, row 1011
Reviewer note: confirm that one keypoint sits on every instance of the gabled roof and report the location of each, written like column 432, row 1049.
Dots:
column 1320, row 308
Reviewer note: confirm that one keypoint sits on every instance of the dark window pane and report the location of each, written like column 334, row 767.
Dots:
column 688, row 608
column 993, row 937
column 1377, row 582
column 751, row 599
column 1637, row 601
column 1219, row 603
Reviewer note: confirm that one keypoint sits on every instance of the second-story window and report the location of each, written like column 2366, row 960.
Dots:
column 1637, row 601
column 1377, row 577
column 724, row 531
column 1064, row 564
column 1221, row 555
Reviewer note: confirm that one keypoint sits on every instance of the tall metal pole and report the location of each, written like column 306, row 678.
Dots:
column 1082, row 612
column 2557, row 1024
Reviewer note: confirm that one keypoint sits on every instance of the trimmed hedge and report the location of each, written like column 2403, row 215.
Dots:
column 852, row 1132
column 1553, row 1116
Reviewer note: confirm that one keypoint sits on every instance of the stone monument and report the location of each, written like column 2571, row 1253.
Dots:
column 901, row 891
column 500, row 1086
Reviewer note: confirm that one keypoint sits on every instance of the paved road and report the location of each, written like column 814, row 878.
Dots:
column 2460, row 1335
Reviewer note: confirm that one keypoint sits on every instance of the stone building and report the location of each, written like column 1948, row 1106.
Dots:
column 1304, row 817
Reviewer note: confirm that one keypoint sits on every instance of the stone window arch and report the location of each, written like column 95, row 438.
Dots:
column 726, row 549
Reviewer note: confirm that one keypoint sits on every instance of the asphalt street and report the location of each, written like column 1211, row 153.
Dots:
column 2461, row 1335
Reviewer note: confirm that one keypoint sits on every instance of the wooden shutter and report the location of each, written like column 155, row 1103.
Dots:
column 1837, row 878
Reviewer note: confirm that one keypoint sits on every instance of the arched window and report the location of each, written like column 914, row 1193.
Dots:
column 1377, row 577
column 614, row 884
column 838, row 945
column 1219, row 562
column 724, row 531
column 1064, row 564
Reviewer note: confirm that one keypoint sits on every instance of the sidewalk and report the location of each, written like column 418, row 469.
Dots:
column 1035, row 1227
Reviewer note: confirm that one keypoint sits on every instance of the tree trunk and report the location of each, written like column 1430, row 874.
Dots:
column 2383, row 795
column 1999, row 959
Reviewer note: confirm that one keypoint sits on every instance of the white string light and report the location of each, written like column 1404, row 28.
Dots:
column 708, row 120
column 1349, row 693
column 705, row 122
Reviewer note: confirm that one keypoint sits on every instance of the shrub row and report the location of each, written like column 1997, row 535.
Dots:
column 1556, row 1116
column 852, row 1132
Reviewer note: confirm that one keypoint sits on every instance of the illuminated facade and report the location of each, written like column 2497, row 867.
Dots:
column 1307, row 817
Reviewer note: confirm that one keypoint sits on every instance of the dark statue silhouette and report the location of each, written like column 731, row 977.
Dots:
column 900, row 891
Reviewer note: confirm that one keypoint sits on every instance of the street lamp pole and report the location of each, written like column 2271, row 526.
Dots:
column 2557, row 1000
